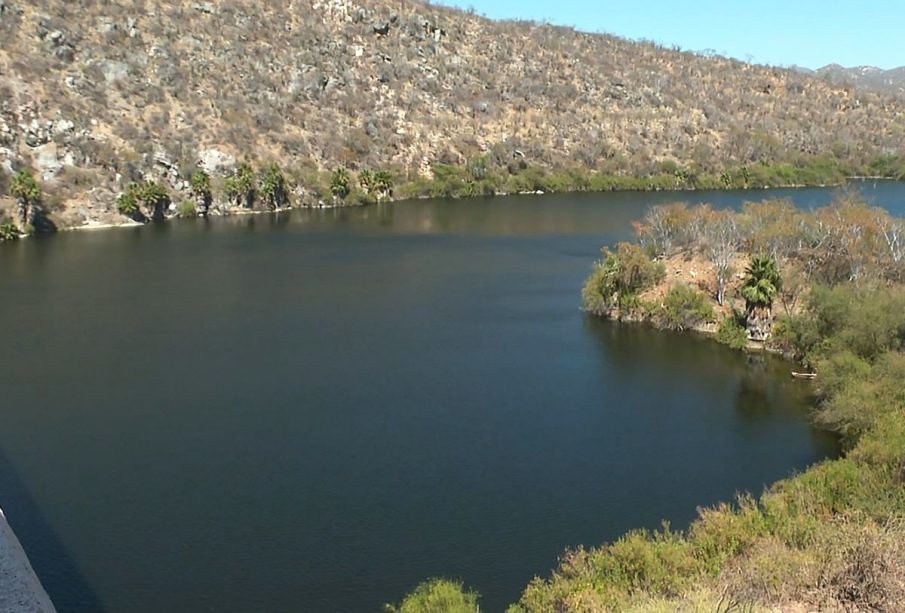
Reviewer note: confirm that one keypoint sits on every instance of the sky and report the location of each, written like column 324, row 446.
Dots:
column 808, row 33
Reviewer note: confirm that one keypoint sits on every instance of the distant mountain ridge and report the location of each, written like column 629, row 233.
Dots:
column 866, row 77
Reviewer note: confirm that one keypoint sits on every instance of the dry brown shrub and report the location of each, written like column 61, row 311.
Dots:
column 772, row 573
column 865, row 568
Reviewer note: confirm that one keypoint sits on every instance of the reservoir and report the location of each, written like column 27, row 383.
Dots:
column 316, row 410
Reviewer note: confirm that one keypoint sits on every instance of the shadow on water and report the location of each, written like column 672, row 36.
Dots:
column 759, row 383
column 44, row 224
column 55, row 568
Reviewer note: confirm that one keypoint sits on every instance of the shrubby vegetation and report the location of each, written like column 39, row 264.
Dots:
column 142, row 201
column 684, row 308
column 240, row 186
column 26, row 190
column 273, row 187
column 8, row 231
column 438, row 596
column 832, row 537
column 618, row 279
column 733, row 331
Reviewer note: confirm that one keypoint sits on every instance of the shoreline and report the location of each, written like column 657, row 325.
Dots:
column 128, row 223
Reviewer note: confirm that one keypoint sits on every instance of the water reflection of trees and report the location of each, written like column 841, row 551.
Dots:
column 755, row 395
column 756, row 384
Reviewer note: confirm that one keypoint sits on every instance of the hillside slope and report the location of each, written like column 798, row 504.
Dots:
column 94, row 95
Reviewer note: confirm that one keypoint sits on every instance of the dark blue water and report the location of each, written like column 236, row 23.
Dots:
column 315, row 411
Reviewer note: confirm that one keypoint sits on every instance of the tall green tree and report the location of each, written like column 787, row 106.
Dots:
column 761, row 286
column 27, row 192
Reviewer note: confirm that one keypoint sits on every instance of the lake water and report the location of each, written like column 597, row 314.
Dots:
column 314, row 411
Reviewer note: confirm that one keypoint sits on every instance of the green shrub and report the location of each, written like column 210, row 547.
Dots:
column 127, row 203
column 438, row 596
column 796, row 336
column 684, row 308
column 188, row 209
column 732, row 332
column 625, row 272
column 859, row 394
column 8, row 231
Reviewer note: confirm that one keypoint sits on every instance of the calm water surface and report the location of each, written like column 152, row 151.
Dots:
column 314, row 411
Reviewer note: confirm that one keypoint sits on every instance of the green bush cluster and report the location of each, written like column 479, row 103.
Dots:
column 438, row 596
column 619, row 277
column 188, row 209
column 273, row 186
column 8, row 231
column 684, row 308
column 241, row 186
column 732, row 331
column 149, row 195
column 482, row 178
column 829, row 534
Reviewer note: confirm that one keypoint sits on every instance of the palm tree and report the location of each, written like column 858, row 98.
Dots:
column 339, row 183
column 273, row 187
column 27, row 191
column 155, row 199
column 762, row 284
column 240, row 187
column 383, row 183
column 201, row 190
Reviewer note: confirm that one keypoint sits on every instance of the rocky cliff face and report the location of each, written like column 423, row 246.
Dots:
column 94, row 95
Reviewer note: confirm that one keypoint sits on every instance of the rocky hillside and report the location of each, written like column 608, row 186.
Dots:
column 95, row 95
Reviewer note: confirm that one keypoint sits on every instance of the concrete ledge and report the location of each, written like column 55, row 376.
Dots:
column 20, row 589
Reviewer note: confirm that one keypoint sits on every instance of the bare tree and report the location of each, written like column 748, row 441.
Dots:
column 722, row 239
column 893, row 231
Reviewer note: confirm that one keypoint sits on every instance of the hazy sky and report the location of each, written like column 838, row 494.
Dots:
column 808, row 33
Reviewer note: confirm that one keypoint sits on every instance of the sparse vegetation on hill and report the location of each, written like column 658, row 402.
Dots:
column 96, row 96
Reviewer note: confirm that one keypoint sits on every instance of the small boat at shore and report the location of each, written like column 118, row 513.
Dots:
column 804, row 375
